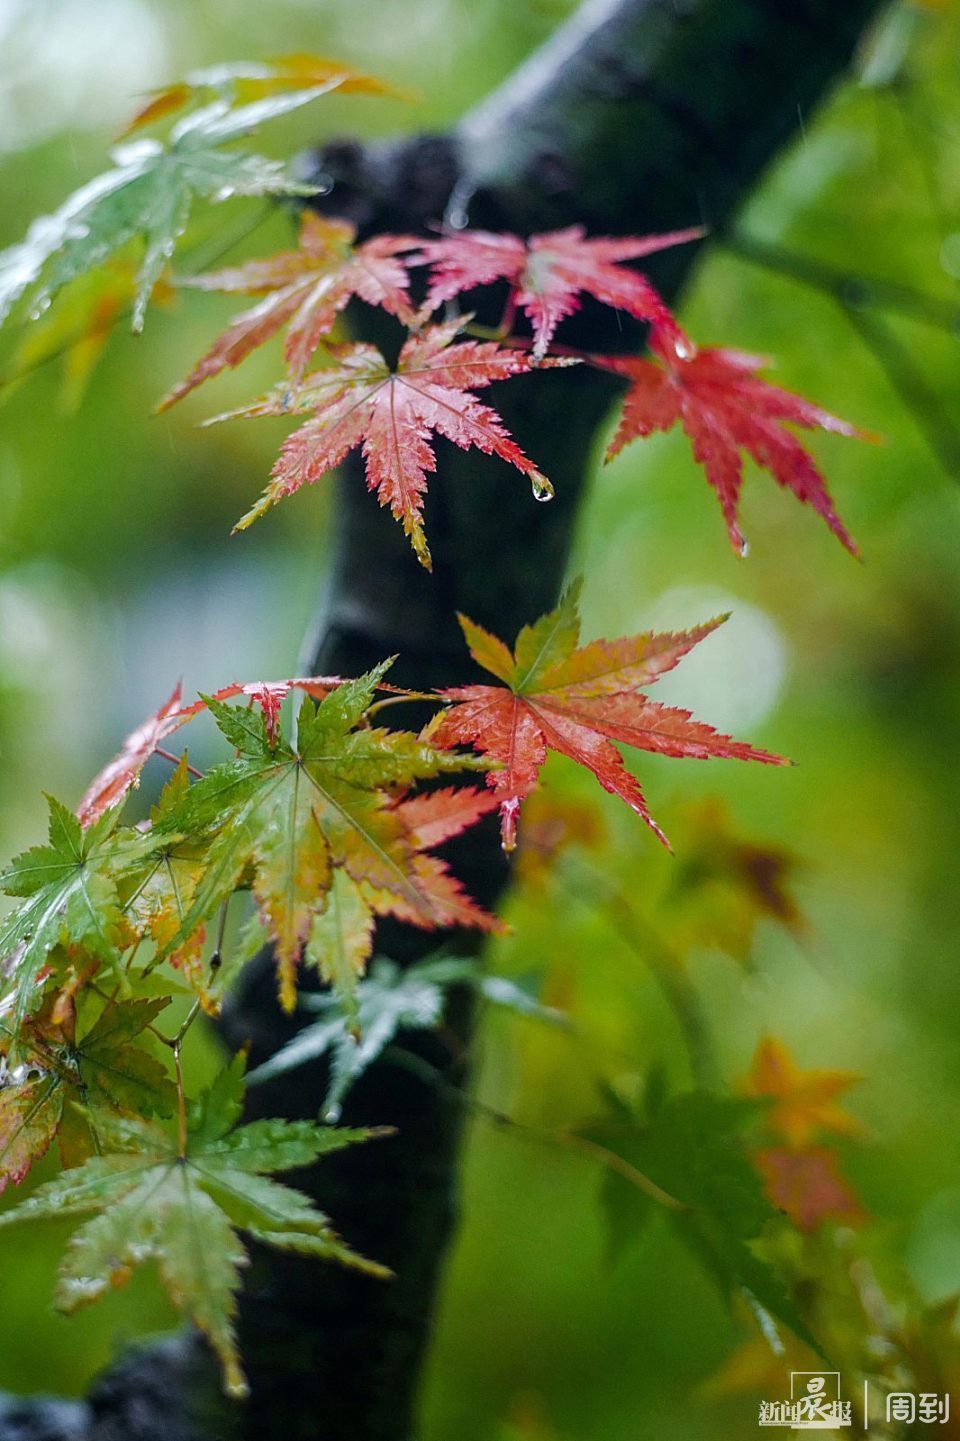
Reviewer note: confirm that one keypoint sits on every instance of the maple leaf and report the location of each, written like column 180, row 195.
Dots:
column 552, row 825
column 305, row 289
column 548, row 272
column 358, row 400
column 269, row 695
column 71, row 891
column 113, row 782
column 151, row 1199
column 30, row 1108
column 727, row 411
column 164, row 893
column 726, row 883
column 318, row 828
column 807, row 1186
column 802, row 1102
column 755, row 1368
column 692, row 1151
column 244, row 81
column 576, row 700
column 389, row 1000
column 119, row 775
column 102, row 1067
column 77, row 330
column 149, row 194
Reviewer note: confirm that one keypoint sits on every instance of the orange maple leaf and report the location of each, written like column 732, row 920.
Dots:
column 803, row 1102
column 577, row 700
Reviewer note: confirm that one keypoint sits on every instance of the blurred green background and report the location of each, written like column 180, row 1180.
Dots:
column 117, row 577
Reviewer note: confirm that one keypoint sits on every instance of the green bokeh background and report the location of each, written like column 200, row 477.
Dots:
column 117, row 576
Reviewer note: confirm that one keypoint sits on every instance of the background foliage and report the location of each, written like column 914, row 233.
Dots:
column 117, row 576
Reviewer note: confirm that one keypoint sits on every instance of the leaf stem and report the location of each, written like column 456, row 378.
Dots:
column 175, row 760
column 191, row 1016
column 216, row 957
column 623, row 1168
column 400, row 699
column 181, row 1102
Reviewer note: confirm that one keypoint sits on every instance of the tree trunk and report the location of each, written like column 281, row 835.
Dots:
column 637, row 116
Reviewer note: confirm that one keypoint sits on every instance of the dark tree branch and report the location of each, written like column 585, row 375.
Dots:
column 849, row 287
column 639, row 115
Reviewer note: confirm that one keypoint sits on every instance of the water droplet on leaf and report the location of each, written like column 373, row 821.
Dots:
column 541, row 487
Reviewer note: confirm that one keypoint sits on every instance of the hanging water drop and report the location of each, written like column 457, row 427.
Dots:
column 457, row 214
column 333, row 1113
column 541, row 487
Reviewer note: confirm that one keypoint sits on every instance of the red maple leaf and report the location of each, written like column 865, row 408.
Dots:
column 429, row 819
column 269, row 695
column 359, row 400
column 727, row 411
column 548, row 272
column 577, row 700
column 111, row 784
column 307, row 288
column 808, row 1187
column 119, row 775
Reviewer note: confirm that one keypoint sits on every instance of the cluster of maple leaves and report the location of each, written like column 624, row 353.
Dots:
column 327, row 830
column 337, row 822
column 354, row 398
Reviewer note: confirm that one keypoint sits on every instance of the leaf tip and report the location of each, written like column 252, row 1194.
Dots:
column 235, row 1384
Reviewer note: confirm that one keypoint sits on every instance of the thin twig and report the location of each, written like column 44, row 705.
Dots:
column 568, row 1140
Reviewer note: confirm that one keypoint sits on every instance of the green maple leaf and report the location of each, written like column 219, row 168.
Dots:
column 162, row 896
column 112, row 1070
column 388, row 1001
column 150, row 1199
column 103, row 1069
column 314, row 828
column 149, row 195
column 72, row 894
column 693, row 1150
